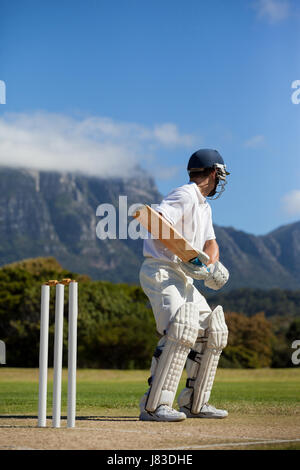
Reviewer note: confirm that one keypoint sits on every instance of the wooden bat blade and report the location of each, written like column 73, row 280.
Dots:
column 160, row 229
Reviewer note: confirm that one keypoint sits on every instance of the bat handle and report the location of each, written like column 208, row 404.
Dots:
column 196, row 261
column 201, row 259
column 199, row 263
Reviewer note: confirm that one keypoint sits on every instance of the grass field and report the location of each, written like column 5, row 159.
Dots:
column 263, row 405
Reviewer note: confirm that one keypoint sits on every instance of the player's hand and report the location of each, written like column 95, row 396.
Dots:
column 217, row 277
column 196, row 271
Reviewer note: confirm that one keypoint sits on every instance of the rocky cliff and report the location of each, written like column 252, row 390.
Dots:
column 55, row 214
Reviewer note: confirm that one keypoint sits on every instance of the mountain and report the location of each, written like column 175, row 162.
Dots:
column 266, row 262
column 54, row 214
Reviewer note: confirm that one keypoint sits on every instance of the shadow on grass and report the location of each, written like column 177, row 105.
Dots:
column 78, row 418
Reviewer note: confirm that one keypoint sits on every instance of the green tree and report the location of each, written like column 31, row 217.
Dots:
column 249, row 341
column 116, row 328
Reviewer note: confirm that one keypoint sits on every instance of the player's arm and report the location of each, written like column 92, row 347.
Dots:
column 211, row 248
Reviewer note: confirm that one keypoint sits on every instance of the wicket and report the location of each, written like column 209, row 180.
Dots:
column 58, row 350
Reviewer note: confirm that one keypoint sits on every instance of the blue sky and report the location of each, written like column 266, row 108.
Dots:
column 100, row 86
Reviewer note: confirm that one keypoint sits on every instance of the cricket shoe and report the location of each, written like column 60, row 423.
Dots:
column 207, row 411
column 162, row 413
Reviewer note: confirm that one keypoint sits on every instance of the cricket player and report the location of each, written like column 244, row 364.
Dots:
column 190, row 332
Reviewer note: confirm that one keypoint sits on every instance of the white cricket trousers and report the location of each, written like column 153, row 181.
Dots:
column 168, row 288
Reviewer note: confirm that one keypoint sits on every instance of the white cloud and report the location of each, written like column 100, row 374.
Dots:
column 167, row 134
column 92, row 145
column 255, row 141
column 291, row 203
column 273, row 11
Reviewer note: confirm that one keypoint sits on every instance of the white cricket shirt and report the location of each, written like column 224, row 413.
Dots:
column 187, row 210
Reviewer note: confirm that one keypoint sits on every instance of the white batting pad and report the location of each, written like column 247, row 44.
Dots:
column 181, row 336
column 216, row 342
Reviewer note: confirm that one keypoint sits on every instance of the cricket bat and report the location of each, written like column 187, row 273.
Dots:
column 162, row 230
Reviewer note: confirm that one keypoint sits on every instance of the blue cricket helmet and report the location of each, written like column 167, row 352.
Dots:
column 209, row 158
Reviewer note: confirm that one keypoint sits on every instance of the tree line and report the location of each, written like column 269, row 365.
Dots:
column 116, row 328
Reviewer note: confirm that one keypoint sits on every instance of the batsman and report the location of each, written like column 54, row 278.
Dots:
column 191, row 333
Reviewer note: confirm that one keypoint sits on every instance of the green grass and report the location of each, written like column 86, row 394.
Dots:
column 261, row 393
column 108, row 392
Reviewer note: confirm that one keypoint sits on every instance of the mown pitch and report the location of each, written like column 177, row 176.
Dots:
column 263, row 405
